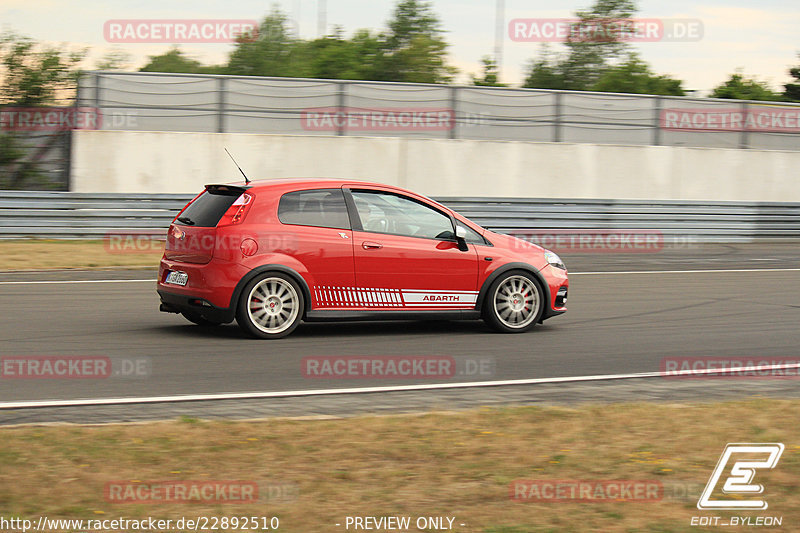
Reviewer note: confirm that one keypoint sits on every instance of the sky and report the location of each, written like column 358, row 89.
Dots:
column 759, row 38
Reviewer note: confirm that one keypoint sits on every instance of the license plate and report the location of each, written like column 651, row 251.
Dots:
column 177, row 278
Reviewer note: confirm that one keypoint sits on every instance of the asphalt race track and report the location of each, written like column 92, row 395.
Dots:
column 626, row 314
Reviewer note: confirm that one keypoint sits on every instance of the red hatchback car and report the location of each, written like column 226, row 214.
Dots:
column 273, row 253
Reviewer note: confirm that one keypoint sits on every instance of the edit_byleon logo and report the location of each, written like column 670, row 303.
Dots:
column 745, row 459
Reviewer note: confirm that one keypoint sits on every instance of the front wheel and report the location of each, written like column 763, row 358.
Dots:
column 513, row 303
column 271, row 306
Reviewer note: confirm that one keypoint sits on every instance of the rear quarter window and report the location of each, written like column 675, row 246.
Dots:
column 323, row 208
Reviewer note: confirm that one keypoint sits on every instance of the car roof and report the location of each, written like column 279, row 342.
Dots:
column 286, row 184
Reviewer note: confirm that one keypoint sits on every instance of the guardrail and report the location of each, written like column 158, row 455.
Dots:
column 64, row 215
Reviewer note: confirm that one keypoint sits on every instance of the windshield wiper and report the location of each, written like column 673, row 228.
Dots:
column 186, row 220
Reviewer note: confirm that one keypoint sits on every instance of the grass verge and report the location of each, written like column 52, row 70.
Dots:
column 438, row 464
column 40, row 254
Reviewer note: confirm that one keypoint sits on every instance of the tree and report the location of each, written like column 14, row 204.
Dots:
column 274, row 51
column 15, row 170
column 635, row 76
column 335, row 57
column 545, row 71
column 739, row 87
column 414, row 49
column 422, row 61
column 175, row 61
column 35, row 74
column 412, row 19
column 792, row 90
column 597, row 58
column 114, row 59
column 592, row 44
column 489, row 78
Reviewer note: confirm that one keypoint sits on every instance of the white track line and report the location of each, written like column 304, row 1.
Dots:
column 598, row 273
column 52, row 282
column 713, row 271
column 84, row 402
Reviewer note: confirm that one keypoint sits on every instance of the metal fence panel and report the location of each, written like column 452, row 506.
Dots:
column 506, row 114
column 384, row 100
column 674, row 113
column 256, row 105
column 248, row 104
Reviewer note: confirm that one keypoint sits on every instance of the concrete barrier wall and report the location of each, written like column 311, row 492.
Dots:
column 148, row 162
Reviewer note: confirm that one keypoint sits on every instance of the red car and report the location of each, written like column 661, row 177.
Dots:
column 277, row 252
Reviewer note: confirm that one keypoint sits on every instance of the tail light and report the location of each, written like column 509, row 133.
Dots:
column 237, row 211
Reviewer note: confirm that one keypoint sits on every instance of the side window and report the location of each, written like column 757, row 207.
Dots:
column 320, row 207
column 473, row 237
column 397, row 215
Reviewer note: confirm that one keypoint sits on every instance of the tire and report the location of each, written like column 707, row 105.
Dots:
column 270, row 306
column 514, row 302
column 199, row 320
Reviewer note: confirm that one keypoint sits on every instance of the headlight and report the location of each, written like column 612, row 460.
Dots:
column 554, row 260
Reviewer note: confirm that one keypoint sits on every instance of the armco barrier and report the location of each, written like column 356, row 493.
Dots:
column 83, row 215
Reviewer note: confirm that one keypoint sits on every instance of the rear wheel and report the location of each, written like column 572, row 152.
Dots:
column 513, row 302
column 271, row 306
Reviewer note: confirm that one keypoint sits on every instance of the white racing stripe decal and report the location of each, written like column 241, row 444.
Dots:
column 359, row 297
column 440, row 298
column 340, row 297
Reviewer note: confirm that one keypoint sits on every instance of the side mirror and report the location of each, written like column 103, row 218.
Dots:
column 461, row 238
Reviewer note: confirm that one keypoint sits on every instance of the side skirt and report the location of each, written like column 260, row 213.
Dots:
column 325, row 315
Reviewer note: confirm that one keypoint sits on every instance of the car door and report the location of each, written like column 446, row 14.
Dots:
column 406, row 255
column 323, row 242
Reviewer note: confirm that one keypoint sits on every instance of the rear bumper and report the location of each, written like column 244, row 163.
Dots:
column 180, row 303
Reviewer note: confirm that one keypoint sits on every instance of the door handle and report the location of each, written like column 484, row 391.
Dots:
column 369, row 245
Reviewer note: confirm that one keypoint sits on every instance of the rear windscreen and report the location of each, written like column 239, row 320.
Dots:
column 207, row 210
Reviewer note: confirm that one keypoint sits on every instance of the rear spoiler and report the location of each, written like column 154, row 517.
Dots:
column 226, row 190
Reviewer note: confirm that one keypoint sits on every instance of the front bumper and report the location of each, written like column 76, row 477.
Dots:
column 558, row 288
